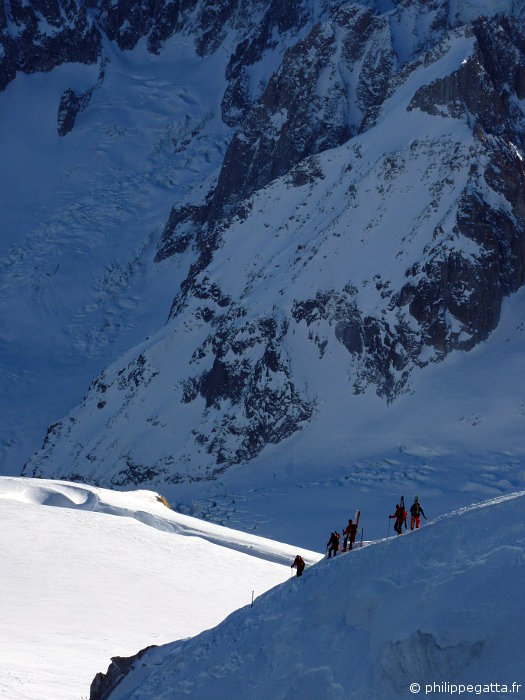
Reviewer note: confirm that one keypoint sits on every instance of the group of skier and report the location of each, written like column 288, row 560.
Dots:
column 416, row 511
column 351, row 530
column 349, row 533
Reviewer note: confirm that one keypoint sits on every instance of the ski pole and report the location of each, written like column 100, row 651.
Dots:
column 388, row 535
column 361, row 537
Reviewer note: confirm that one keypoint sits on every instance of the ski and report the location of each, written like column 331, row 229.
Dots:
column 356, row 523
column 402, row 504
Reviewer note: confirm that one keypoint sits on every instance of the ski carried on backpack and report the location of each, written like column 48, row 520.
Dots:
column 356, row 523
column 402, row 504
column 348, row 534
column 357, row 514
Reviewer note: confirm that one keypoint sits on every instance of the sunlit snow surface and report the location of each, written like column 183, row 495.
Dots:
column 443, row 605
column 87, row 574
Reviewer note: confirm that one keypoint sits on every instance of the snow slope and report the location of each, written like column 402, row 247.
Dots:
column 80, row 218
column 441, row 605
column 87, row 574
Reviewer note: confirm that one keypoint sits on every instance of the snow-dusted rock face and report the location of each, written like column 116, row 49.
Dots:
column 328, row 86
column 485, row 92
column 368, row 219
column 39, row 36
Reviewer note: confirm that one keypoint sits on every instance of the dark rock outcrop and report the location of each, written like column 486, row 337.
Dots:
column 383, row 353
column 281, row 17
column 72, row 103
column 179, row 231
column 105, row 683
column 479, row 92
column 264, row 404
column 482, row 89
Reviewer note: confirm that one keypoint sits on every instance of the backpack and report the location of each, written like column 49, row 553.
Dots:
column 415, row 509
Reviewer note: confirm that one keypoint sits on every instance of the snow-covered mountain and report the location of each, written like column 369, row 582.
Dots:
column 286, row 238
column 88, row 574
column 283, row 244
column 429, row 612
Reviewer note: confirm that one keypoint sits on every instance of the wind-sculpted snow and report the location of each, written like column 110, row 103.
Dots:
column 439, row 605
column 144, row 506
column 89, row 573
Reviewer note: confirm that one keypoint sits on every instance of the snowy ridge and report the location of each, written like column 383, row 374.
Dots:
column 146, row 508
column 370, row 623
column 88, row 573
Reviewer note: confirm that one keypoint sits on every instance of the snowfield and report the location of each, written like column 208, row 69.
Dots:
column 87, row 574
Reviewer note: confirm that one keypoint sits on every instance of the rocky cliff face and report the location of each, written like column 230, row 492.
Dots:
column 479, row 93
column 327, row 87
column 368, row 219
column 39, row 36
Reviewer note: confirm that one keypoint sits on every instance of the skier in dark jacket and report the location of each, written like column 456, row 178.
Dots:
column 415, row 512
column 350, row 533
column 401, row 517
column 299, row 565
column 333, row 543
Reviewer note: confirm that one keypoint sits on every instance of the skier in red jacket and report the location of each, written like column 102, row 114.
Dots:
column 333, row 543
column 299, row 565
column 401, row 517
column 350, row 532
